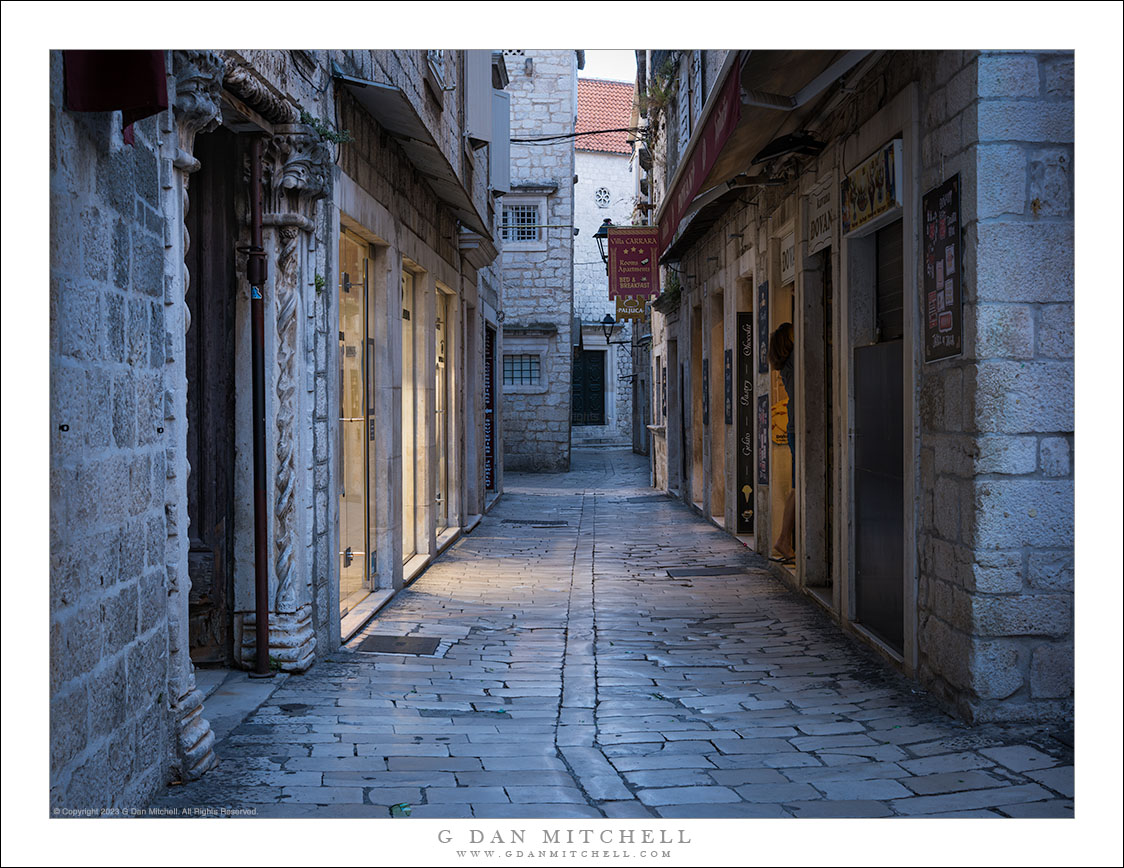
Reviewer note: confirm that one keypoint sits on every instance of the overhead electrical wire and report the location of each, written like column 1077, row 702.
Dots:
column 563, row 136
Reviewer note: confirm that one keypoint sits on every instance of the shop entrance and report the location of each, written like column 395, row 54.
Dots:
column 717, row 410
column 442, row 408
column 781, row 404
column 879, row 453
column 409, row 417
column 816, row 353
column 356, row 426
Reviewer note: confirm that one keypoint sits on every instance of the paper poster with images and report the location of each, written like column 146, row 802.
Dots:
column 941, row 295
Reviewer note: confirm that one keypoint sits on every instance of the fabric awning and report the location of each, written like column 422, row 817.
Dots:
column 396, row 114
column 778, row 91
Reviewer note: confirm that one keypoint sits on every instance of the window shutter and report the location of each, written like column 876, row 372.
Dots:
column 478, row 96
column 499, row 153
column 696, row 87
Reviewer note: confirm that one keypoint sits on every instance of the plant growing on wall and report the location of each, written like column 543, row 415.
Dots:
column 323, row 130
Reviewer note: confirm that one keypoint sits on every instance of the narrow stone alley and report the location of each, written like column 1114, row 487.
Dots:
column 603, row 652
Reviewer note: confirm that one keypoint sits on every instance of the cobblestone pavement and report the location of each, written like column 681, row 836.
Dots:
column 576, row 678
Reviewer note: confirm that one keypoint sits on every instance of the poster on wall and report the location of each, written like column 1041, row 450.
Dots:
column 762, row 439
column 744, row 431
column 706, row 391
column 763, row 328
column 873, row 187
column 941, row 296
column 728, row 382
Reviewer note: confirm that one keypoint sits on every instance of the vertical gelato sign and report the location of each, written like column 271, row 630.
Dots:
column 633, row 262
column 745, row 414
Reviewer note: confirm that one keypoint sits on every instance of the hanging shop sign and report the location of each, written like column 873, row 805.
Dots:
column 788, row 258
column 631, row 307
column 728, row 383
column 873, row 187
column 821, row 216
column 633, row 262
column 762, row 439
column 717, row 128
column 941, row 291
column 744, row 432
column 763, row 328
column 706, row 391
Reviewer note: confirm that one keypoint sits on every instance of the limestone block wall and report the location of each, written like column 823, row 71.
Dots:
column 997, row 452
column 112, row 453
column 538, row 283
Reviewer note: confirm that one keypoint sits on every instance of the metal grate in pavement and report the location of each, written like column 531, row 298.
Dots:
column 688, row 572
column 399, row 644
column 649, row 498
column 536, row 522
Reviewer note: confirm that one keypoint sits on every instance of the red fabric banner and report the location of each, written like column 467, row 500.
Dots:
column 719, row 124
column 633, row 263
column 132, row 82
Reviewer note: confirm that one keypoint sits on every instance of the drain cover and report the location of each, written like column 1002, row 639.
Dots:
column 687, row 572
column 649, row 498
column 537, row 522
column 399, row 644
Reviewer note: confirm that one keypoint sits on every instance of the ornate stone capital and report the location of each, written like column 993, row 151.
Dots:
column 241, row 80
column 198, row 105
column 298, row 172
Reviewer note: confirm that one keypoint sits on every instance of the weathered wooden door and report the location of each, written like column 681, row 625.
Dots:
column 213, row 230
column 589, row 387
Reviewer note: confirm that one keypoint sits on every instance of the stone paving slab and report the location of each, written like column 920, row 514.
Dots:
column 576, row 678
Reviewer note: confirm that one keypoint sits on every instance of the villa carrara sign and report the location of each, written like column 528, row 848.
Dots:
column 633, row 262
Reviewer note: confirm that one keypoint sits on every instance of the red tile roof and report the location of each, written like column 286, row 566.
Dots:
column 604, row 105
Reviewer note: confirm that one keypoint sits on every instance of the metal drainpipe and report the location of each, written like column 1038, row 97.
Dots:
column 256, row 274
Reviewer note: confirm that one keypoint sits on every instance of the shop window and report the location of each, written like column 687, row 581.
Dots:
column 521, row 370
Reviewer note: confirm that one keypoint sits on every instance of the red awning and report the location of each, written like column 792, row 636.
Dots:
column 132, row 82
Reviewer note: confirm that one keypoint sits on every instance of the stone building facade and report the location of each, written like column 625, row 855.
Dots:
column 958, row 565
column 537, row 223
column 605, row 189
column 152, row 482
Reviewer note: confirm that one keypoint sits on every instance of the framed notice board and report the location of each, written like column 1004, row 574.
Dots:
column 942, row 297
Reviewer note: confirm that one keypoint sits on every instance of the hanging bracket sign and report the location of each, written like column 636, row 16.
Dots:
column 633, row 262
column 873, row 187
column 821, row 216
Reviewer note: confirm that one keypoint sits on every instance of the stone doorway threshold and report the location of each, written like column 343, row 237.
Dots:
column 363, row 612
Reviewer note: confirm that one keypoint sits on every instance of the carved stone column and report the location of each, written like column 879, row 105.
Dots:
column 198, row 82
column 297, row 174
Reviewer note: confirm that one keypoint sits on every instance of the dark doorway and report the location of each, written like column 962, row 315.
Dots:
column 213, row 230
column 879, row 487
column 589, row 387
column 489, row 408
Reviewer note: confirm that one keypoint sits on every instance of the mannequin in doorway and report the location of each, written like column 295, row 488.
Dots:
column 782, row 359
